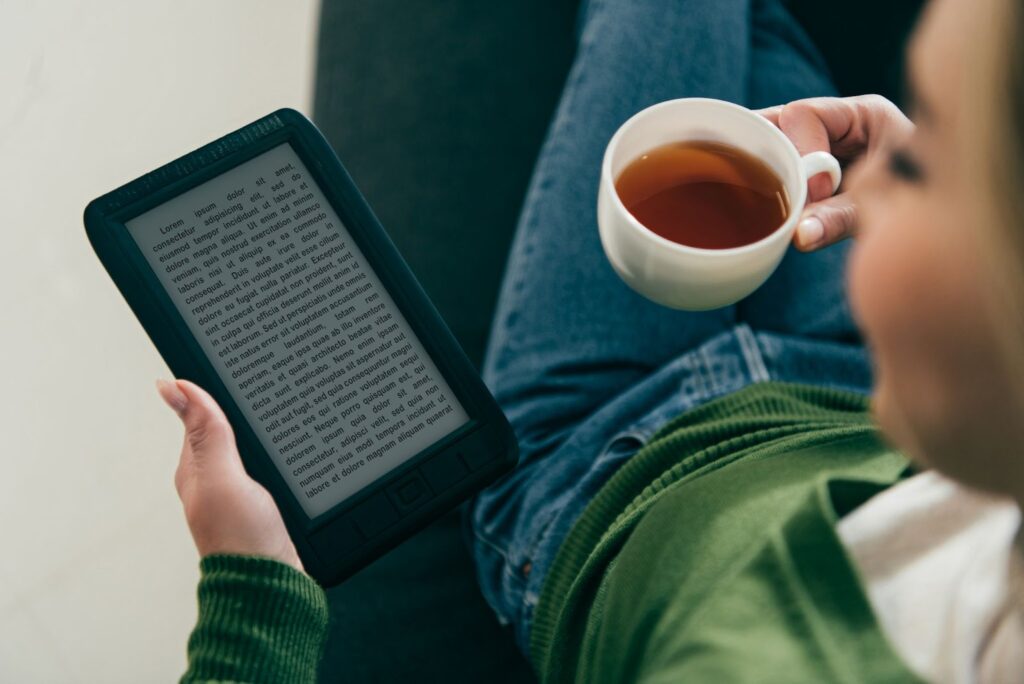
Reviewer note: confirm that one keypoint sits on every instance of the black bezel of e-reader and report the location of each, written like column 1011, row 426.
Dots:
column 335, row 544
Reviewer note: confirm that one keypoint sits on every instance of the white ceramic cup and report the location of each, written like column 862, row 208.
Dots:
column 694, row 278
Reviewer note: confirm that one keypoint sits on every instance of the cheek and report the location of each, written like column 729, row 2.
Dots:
column 914, row 290
column 888, row 286
column 909, row 292
column 891, row 272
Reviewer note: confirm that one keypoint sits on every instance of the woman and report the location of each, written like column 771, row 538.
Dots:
column 706, row 495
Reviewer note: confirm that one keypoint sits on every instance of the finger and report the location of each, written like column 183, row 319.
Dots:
column 173, row 396
column 812, row 125
column 208, row 434
column 771, row 113
column 831, row 124
column 826, row 222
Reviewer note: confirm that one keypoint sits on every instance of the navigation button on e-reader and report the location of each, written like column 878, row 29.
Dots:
column 409, row 492
column 374, row 515
column 444, row 470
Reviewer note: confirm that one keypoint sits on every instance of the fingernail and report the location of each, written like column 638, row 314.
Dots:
column 172, row 395
column 811, row 230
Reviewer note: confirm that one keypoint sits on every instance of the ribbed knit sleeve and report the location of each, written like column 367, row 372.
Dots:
column 259, row 621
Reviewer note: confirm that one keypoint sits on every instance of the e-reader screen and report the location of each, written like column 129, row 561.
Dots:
column 300, row 329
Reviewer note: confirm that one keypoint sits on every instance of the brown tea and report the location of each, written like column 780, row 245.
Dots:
column 704, row 194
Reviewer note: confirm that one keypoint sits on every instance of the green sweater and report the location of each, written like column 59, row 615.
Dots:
column 712, row 556
column 259, row 621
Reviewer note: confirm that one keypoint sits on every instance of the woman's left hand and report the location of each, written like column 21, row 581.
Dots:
column 850, row 128
column 227, row 511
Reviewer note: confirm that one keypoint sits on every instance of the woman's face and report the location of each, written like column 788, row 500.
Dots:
column 916, row 277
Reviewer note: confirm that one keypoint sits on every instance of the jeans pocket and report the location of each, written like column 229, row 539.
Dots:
column 622, row 446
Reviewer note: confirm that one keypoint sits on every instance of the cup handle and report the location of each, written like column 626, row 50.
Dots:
column 822, row 162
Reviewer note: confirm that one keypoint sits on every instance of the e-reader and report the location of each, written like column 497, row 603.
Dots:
column 261, row 274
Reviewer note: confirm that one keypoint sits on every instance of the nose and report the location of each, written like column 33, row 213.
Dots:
column 854, row 176
column 864, row 177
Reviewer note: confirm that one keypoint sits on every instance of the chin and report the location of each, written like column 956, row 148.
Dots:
column 892, row 426
column 941, row 448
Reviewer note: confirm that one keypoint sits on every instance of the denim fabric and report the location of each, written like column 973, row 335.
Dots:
column 585, row 369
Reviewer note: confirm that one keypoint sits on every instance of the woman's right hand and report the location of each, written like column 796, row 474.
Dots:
column 226, row 510
column 851, row 129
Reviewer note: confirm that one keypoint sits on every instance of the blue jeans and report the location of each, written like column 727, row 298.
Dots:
column 584, row 368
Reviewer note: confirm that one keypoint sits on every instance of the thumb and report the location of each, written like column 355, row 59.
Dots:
column 826, row 222
column 208, row 434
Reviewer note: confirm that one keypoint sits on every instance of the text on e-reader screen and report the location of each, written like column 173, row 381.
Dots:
column 298, row 326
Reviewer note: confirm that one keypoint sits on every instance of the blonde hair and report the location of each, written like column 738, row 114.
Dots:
column 992, row 148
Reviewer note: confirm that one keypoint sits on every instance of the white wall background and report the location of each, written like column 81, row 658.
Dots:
column 97, row 571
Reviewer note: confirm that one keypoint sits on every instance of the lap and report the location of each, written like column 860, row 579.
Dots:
column 568, row 334
column 577, row 360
